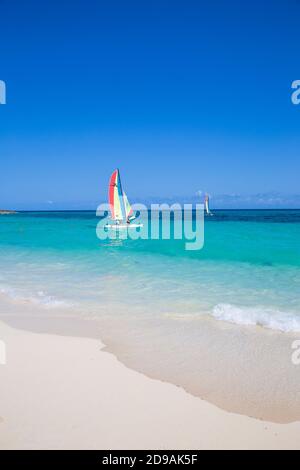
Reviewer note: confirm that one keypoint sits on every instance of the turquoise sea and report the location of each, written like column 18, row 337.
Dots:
column 248, row 271
column 218, row 322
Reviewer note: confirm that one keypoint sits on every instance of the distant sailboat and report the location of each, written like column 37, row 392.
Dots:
column 206, row 204
column 121, row 211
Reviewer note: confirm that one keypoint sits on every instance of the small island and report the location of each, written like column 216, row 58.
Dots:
column 6, row 212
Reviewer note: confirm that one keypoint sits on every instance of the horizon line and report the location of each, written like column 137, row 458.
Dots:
column 16, row 211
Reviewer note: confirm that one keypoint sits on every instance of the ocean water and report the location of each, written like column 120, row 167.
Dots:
column 247, row 273
column 218, row 322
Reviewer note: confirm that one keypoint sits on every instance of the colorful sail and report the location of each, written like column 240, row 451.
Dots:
column 121, row 210
column 115, row 197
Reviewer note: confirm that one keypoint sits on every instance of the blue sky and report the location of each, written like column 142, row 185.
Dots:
column 182, row 96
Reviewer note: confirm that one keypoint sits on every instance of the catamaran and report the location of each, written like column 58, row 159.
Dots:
column 206, row 203
column 121, row 211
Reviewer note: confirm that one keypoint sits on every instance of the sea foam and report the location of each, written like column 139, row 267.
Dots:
column 39, row 298
column 260, row 316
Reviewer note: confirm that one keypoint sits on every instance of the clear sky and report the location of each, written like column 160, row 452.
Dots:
column 182, row 96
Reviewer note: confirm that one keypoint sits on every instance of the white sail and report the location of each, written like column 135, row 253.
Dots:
column 206, row 203
column 128, row 208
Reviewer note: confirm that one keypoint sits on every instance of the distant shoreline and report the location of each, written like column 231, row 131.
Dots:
column 6, row 212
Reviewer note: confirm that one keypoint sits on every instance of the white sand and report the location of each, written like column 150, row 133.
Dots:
column 64, row 393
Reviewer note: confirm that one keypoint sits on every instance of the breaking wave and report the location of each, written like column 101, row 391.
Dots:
column 260, row 316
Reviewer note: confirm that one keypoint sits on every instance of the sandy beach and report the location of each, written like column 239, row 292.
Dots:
column 66, row 392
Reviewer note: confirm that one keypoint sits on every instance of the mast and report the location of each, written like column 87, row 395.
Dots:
column 121, row 196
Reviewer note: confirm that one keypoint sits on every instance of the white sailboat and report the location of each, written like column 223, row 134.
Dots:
column 206, row 204
column 121, row 211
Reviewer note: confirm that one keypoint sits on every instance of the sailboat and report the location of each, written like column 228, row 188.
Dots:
column 206, row 204
column 121, row 211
